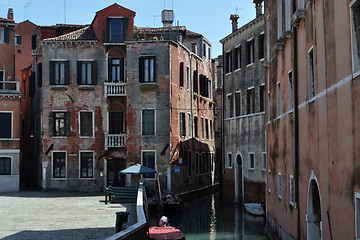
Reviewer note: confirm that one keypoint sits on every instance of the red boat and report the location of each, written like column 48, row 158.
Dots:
column 162, row 233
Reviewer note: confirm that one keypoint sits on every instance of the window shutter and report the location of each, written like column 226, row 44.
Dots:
column 52, row 72
column 33, row 42
column 122, row 72
column 19, row 40
column 154, row 69
column 51, row 123
column 181, row 74
column 6, row 35
column 67, row 73
column 109, row 70
column 125, row 29
column 39, row 75
column 67, row 124
column 94, row 72
column 78, row 67
column 195, row 77
column 141, row 69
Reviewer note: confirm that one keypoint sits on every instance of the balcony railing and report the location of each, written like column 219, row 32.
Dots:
column 9, row 87
column 115, row 89
column 115, row 140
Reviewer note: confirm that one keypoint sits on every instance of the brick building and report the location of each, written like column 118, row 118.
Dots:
column 113, row 95
column 312, row 122
column 244, row 109
column 9, row 108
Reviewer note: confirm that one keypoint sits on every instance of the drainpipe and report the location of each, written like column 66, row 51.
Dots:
column 296, row 115
column 222, row 118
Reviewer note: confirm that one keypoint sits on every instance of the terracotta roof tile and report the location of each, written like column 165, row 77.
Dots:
column 85, row 33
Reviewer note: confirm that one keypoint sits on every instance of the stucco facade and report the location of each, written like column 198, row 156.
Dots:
column 312, row 135
column 243, row 104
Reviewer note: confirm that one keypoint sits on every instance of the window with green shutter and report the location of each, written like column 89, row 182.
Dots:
column 148, row 122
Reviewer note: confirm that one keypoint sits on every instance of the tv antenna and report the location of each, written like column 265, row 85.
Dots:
column 26, row 6
column 155, row 16
column 172, row 2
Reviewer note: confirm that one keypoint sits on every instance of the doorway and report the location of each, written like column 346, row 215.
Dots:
column 313, row 216
column 238, row 179
column 114, row 177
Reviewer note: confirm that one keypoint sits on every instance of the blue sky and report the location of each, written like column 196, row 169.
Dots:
column 210, row 18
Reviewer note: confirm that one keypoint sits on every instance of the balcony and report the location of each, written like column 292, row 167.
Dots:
column 115, row 140
column 115, row 89
column 9, row 87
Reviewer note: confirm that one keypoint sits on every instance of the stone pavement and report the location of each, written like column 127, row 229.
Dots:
column 59, row 215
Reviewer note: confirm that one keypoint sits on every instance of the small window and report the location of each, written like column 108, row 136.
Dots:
column 250, row 52
column 261, row 46
column 148, row 122
column 290, row 83
column 262, row 98
column 279, row 19
column 59, row 73
column 86, row 124
column 17, row 40
column 311, row 73
column 147, row 69
column 237, row 57
column 202, row 127
column 291, row 190
column 278, row 110
column 357, row 215
column 4, row 35
column 116, row 70
column 288, row 15
column 188, row 78
column 1, row 35
column 189, row 163
column 181, row 74
column 182, row 125
column 229, row 160
column 60, row 125
column 229, row 106
column 207, row 128
column 196, row 127
column 117, row 30
column 279, row 185
column 5, row 166
column 251, row 161
column 59, row 164
column 194, row 48
column 189, row 125
column 238, row 104
column 86, row 164
column 195, row 81
column 228, row 62
column 263, row 161
column 6, row 125
column 211, row 129
column 250, row 95
column 116, row 123
column 149, row 160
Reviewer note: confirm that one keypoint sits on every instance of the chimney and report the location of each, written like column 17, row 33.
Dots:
column 167, row 18
column 258, row 7
column 10, row 14
column 234, row 23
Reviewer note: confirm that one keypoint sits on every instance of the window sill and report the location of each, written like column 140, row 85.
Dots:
column 59, row 137
column 59, row 179
column 91, row 179
column 58, row 87
column 356, row 74
column 251, row 169
column 86, row 137
column 148, row 135
column 250, row 64
column 148, row 83
column 238, row 69
column 86, row 87
column 227, row 74
column 311, row 99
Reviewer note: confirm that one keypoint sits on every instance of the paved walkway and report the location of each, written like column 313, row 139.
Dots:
column 59, row 215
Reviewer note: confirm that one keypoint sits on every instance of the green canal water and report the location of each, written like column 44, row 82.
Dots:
column 209, row 217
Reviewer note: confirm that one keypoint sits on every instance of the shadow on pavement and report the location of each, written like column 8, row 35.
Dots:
column 51, row 194
column 84, row 233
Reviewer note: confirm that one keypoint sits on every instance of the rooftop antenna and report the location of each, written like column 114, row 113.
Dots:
column 26, row 6
column 155, row 16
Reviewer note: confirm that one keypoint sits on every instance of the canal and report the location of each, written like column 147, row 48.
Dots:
column 209, row 217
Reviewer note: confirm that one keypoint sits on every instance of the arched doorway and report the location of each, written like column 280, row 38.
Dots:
column 313, row 216
column 238, row 178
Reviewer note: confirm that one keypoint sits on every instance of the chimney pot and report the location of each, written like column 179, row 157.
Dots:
column 10, row 14
column 258, row 7
column 234, row 21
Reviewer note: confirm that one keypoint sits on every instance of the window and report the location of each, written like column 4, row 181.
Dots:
column 279, row 19
column 229, row 161
column 2, row 76
column 250, row 51
column 116, row 70
column 17, row 40
column 59, row 123
column 278, row 99
column 205, row 86
column 355, row 36
column 228, row 62
column 147, row 69
column 188, row 78
column 261, row 46
column 238, row 104
column 182, row 125
column 279, row 185
column 269, row 182
column 207, row 128
column 117, row 29
column 86, row 124
column 194, row 48
column 202, row 127
column 267, row 39
column 117, row 123
column 189, row 164
column 250, row 95
column 195, row 81
column 251, row 161
column 211, row 129
column 290, row 83
column 189, row 125
column 6, row 125
column 287, row 16
column 196, row 128
column 263, row 161
column 86, row 164
column 229, row 106
column 197, row 159
column 148, row 160
column 148, row 122
column 357, row 215
column 4, row 35
column 1, row 35
column 237, row 57
column 59, row 164
column 59, row 72
column 181, row 74
column 268, row 106
column 5, row 166
column 291, row 190
column 262, row 98
column 311, row 73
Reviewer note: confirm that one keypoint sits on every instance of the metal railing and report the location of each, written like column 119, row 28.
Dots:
column 115, row 140
column 115, row 89
column 9, row 87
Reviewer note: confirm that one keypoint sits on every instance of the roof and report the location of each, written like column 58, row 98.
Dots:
column 167, row 29
column 7, row 20
column 86, row 33
column 52, row 31
column 61, row 25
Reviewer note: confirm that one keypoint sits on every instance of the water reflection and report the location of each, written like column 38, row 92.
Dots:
column 209, row 217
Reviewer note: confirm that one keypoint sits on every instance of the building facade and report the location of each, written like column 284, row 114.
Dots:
column 244, row 110
column 113, row 95
column 312, row 122
column 9, row 108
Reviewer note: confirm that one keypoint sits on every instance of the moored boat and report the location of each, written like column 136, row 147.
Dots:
column 161, row 233
column 254, row 208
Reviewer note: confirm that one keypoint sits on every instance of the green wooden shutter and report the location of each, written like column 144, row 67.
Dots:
column 52, row 72
column 125, row 29
column 122, row 70
column 110, row 70
column 141, row 69
column 181, row 74
column 67, row 72
column 78, row 67
column 6, row 35
column 151, row 122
